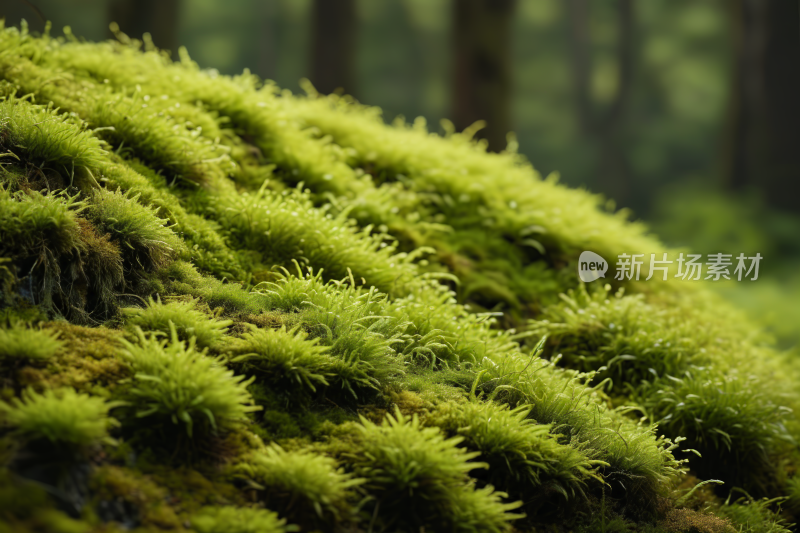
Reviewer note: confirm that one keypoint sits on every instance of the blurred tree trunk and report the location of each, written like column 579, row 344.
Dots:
column 15, row 10
column 482, row 74
column 159, row 18
column 334, row 45
column 267, row 58
column 606, row 127
column 764, row 121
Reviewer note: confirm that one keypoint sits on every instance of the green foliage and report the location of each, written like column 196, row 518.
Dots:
column 183, row 278
column 276, row 356
column 20, row 344
column 303, row 483
column 49, row 139
column 135, row 226
column 189, row 322
column 563, row 399
column 346, row 319
column 419, row 476
column 630, row 340
column 62, row 416
column 522, row 455
column 283, row 227
column 338, row 263
column 176, row 383
column 238, row 520
column 658, row 357
column 36, row 223
column 754, row 516
column 723, row 416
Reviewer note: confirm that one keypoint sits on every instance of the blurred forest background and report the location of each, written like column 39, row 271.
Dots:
column 687, row 113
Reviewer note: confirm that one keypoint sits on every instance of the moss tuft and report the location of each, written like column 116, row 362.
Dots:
column 175, row 383
column 61, row 416
column 188, row 321
column 19, row 344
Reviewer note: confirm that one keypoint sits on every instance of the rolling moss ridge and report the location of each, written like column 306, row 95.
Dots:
column 226, row 307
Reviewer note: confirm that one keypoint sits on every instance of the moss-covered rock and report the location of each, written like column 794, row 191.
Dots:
column 225, row 307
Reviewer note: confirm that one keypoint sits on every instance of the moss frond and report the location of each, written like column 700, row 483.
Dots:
column 189, row 322
column 418, row 475
column 303, row 482
column 524, row 457
column 275, row 356
column 61, row 416
column 178, row 384
column 239, row 520
column 135, row 227
column 20, row 344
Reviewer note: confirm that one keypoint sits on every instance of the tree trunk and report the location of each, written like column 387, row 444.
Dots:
column 605, row 128
column 764, row 126
column 482, row 77
column 267, row 40
column 159, row 18
column 334, row 45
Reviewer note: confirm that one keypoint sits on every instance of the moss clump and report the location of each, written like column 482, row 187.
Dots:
column 284, row 358
column 19, row 344
column 188, row 321
column 310, row 487
column 239, row 520
column 134, row 227
column 61, row 416
column 173, row 382
column 519, row 452
column 420, row 477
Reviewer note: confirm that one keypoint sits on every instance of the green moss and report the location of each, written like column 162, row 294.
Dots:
column 189, row 322
column 338, row 267
column 19, row 344
column 61, row 416
column 173, row 382
column 238, row 520
column 419, row 476
column 37, row 223
column 754, row 516
column 311, row 487
column 522, row 456
column 135, row 227
column 278, row 356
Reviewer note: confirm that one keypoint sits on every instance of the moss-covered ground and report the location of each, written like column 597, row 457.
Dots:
column 227, row 308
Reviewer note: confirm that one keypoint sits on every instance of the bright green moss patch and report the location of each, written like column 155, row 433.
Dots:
column 420, row 476
column 658, row 357
column 311, row 487
column 38, row 223
column 174, row 382
column 258, row 278
column 184, row 316
column 519, row 452
column 284, row 358
column 238, row 520
column 48, row 138
column 62, row 416
column 134, row 227
column 20, row 344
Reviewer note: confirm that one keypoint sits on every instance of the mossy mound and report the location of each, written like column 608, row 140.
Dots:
column 230, row 308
